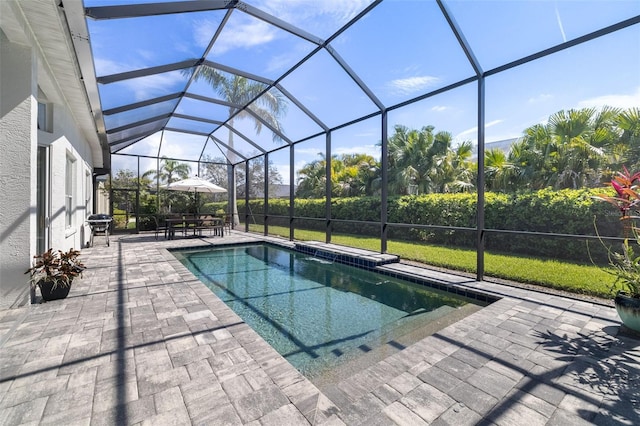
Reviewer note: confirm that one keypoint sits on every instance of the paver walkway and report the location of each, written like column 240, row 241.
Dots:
column 141, row 341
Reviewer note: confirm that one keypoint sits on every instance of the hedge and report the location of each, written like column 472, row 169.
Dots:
column 545, row 211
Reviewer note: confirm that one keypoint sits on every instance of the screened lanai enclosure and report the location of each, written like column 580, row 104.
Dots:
column 480, row 127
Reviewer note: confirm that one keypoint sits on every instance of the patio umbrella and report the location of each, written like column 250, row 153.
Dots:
column 195, row 185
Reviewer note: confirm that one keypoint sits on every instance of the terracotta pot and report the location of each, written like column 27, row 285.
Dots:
column 629, row 310
column 50, row 293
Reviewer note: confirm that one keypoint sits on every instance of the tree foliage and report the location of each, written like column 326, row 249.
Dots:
column 352, row 175
column 576, row 148
column 257, row 178
column 420, row 161
column 267, row 106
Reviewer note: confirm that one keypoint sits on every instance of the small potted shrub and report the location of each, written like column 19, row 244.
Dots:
column 625, row 265
column 626, row 268
column 54, row 272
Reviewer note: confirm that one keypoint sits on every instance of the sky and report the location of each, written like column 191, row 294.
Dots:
column 397, row 59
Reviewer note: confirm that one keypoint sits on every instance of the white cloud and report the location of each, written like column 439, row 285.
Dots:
column 619, row 101
column 307, row 12
column 283, row 170
column 474, row 129
column 146, row 55
column 153, row 85
column 203, row 31
column 440, row 108
column 542, row 97
column 324, row 16
column 407, row 86
column 283, row 61
column 470, row 131
column 107, row 66
column 309, row 151
column 299, row 164
column 279, row 62
column 244, row 34
column 371, row 150
column 147, row 146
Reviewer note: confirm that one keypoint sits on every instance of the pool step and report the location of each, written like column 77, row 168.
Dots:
column 346, row 255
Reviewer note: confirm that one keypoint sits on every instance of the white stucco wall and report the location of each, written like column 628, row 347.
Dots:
column 65, row 141
column 18, row 113
column 19, row 141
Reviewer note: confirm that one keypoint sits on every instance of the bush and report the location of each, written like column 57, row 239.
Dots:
column 545, row 211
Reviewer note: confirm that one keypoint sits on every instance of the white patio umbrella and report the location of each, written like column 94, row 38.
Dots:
column 195, row 184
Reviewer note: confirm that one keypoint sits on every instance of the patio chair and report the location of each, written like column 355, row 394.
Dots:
column 191, row 222
column 205, row 223
column 176, row 225
column 227, row 222
column 213, row 224
column 161, row 226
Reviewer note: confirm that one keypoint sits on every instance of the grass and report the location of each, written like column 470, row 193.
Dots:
column 560, row 275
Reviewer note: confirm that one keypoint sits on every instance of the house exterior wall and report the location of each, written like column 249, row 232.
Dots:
column 65, row 141
column 19, row 141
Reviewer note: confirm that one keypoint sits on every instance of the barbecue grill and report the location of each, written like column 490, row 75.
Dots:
column 100, row 224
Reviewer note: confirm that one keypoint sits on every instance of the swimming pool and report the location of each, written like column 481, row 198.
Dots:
column 316, row 313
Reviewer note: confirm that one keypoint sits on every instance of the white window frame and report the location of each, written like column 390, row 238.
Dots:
column 45, row 117
column 88, row 193
column 69, row 190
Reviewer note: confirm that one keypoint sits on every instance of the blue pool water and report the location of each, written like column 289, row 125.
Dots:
column 313, row 312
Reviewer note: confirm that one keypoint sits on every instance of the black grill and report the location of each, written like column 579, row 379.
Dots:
column 100, row 224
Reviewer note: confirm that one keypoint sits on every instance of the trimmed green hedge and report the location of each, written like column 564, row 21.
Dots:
column 546, row 211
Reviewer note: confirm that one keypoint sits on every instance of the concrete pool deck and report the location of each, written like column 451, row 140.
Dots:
column 139, row 340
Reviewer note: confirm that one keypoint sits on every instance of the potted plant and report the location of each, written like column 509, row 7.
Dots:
column 54, row 271
column 625, row 265
column 626, row 268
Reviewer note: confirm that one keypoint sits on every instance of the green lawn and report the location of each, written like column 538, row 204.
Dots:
column 572, row 277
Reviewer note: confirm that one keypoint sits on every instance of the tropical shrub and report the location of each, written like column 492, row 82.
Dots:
column 546, row 211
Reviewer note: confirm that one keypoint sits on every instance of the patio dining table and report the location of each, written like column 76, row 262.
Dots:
column 195, row 223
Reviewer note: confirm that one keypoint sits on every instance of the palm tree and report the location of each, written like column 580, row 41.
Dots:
column 168, row 171
column 367, row 176
column 570, row 150
column 425, row 162
column 312, row 179
column 453, row 171
column 352, row 175
column 500, row 173
column 409, row 159
column 581, row 137
column 628, row 123
column 238, row 91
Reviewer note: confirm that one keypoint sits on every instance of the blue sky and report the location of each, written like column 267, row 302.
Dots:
column 398, row 59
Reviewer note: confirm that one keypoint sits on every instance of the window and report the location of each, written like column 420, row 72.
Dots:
column 69, row 185
column 45, row 117
column 88, row 189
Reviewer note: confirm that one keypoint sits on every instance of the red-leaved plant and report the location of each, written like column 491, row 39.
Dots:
column 626, row 264
column 627, row 199
column 57, row 267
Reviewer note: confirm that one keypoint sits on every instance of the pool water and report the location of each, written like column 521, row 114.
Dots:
column 315, row 313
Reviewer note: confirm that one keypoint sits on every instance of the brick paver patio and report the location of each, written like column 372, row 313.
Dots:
column 141, row 341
